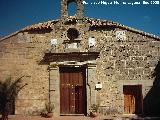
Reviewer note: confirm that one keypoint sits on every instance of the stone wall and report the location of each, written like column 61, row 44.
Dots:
column 121, row 62
column 129, row 62
column 20, row 55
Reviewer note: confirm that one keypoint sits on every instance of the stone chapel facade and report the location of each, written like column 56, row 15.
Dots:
column 76, row 61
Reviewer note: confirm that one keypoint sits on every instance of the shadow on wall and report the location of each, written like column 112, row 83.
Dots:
column 9, row 90
column 152, row 99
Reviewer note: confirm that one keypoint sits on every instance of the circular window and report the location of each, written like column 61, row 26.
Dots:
column 72, row 33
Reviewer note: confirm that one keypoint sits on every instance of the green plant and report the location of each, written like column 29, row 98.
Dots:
column 94, row 107
column 9, row 90
column 50, row 107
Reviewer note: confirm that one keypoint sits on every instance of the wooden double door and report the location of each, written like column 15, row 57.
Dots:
column 72, row 90
column 132, row 99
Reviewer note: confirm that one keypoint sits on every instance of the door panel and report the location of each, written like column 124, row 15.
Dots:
column 72, row 90
column 129, row 101
column 78, row 101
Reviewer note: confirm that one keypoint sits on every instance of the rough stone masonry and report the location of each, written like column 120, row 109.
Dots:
column 114, row 55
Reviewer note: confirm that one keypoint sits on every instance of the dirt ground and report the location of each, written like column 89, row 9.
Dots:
column 21, row 117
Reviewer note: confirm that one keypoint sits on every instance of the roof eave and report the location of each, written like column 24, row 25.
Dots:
column 91, row 21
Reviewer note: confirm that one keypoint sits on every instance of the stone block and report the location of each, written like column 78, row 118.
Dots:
column 119, row 64
column 147, row 71
column 131, row 64
column 139, row 71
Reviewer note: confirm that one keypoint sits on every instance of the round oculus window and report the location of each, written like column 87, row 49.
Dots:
column 72, row 33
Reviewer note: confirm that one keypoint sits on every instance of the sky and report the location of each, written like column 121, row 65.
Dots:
column 140, row 14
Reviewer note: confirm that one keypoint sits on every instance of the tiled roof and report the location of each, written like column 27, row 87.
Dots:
column 99, row 22
column 91, row 21
column 39, row 26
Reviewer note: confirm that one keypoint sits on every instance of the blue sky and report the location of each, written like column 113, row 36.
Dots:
column 16, row 14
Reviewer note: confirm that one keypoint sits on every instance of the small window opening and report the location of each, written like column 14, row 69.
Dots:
column 72, row 8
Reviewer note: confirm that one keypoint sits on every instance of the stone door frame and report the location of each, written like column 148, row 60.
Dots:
column 54, row 84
